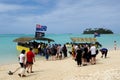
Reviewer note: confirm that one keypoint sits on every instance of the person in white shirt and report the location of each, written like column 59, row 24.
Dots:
column 93, row 54
column 22, row 63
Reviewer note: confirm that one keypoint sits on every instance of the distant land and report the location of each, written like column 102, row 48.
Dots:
column 97, row 30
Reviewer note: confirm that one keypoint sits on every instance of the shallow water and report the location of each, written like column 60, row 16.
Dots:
column 8, row 47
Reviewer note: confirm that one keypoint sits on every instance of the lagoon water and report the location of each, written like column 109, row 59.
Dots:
column 9, row 54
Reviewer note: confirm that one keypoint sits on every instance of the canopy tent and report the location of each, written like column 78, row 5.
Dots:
column 77, row 39
column 45, row 39
column 27, row 39
column 23, row 39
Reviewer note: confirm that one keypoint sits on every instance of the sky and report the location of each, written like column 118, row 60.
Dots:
column 60, row 16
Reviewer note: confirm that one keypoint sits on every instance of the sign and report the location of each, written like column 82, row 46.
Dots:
column 39, row 34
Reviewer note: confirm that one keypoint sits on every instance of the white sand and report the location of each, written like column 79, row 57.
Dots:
column 67, row 69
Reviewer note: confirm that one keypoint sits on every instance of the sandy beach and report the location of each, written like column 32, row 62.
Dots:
column 67, row 69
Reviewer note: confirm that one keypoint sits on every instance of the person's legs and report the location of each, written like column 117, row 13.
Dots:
column 105, row 54
column 28, row 68
column 102, row 54
column 22, row 70
column 80, row 62
column 94, row 58
column 31, row 68
column 77, row 62
column 21, row 65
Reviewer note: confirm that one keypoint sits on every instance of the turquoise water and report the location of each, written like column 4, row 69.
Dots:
column 8, row 47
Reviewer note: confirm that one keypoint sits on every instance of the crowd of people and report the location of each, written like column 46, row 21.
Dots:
column 56, row 51
column 86, row 54
column 83, row 54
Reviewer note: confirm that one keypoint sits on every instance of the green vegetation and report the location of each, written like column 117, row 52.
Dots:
column 98, row 30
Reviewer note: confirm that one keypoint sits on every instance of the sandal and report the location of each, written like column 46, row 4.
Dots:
column 19, row 75
column 27, row 71
column 32, row 72
column 23, row 75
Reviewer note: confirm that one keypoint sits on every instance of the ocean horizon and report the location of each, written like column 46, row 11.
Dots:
column 9, row 53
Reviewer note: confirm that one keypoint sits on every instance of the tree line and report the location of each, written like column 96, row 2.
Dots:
column 98, row 30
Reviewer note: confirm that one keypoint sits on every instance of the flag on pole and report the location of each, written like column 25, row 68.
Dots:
column 40, row 28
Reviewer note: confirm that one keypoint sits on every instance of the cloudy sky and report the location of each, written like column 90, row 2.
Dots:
column 60, row 16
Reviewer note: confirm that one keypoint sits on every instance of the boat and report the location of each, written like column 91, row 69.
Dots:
column 32, row 42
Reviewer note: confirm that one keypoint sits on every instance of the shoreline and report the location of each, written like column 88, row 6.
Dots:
column 67, row 69
column 15, row 61
column 42, row 58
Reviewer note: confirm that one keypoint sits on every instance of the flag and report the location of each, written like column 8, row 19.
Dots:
column 38, row 26
column 44, row 28
column 96, row 34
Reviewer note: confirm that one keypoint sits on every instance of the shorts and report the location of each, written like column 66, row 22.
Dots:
column 93, row 55
column 29, row 62
column 22, row 65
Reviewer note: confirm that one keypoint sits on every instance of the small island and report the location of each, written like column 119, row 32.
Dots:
column 98, row 30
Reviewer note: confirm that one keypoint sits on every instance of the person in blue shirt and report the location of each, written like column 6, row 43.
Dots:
column 104, row 52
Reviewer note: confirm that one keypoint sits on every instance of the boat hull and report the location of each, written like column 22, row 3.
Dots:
column 20, row 48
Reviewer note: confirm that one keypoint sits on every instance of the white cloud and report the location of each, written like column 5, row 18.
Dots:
column 13, row 7
column 72, row 16
column 8, row 7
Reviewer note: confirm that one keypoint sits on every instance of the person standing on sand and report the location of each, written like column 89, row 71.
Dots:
column 53, row 52
column 93, row 54
column 73, row 52
column 30, row 59
column 47, row 52
column 115, row 45
column 22, row 63
column 79, row 56
column 64, row 50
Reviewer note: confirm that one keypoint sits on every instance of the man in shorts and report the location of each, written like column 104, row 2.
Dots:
column 30, row 59
column 93, row 54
